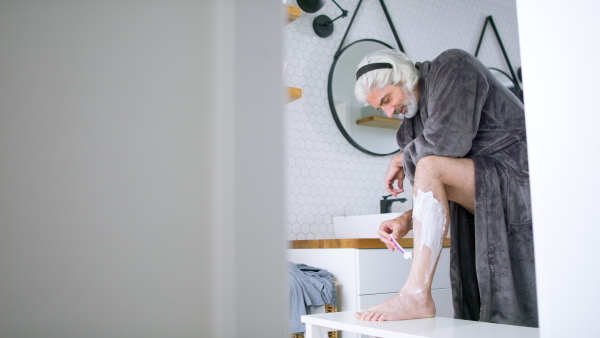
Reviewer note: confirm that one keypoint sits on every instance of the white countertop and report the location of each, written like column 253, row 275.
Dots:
column 438, row 327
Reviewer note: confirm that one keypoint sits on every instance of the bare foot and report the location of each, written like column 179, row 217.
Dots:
column 402, row 306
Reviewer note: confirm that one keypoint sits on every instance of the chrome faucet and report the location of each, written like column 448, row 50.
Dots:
column 385, row 205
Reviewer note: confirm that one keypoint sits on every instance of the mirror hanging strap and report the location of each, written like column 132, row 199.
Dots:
column 490, row 20
column 389, row 20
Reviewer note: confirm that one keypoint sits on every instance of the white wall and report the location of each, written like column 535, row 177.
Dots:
column 559, row 49
column 140, row 169
column 325, row 175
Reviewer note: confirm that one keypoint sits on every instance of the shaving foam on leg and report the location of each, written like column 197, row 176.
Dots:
column 432, row 216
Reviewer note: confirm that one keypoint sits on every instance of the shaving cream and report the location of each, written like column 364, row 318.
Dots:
column 431, row 214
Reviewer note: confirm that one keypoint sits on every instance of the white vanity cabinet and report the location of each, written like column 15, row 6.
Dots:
column 370, row 276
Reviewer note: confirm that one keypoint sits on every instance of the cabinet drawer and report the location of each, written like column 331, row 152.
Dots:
column 383, row 271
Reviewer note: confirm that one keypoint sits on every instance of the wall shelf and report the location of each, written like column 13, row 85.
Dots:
column 294, row 93
column 380, row 122
column 293, row 12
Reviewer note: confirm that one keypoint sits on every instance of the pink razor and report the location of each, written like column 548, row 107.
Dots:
column 407, row 255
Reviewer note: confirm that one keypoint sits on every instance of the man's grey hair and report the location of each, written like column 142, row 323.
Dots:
column 403, row 73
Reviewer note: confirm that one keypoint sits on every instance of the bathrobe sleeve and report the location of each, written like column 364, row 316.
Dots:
column 454, row 96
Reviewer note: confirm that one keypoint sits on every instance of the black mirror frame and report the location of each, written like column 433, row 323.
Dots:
column 332, row 104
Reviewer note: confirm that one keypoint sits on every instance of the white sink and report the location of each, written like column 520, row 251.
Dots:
column 363, row 226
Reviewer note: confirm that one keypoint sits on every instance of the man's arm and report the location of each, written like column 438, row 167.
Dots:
column 395, row 174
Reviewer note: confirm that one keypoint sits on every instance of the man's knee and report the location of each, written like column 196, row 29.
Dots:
column 429, row 167
column 457, row 175
column 450, row 170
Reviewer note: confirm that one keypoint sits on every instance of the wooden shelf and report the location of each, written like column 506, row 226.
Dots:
column 294, row 93
column 380, row 122
column 293, row 12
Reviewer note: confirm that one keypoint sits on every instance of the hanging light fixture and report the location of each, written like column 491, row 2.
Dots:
column 311, row 6
column 322, row 24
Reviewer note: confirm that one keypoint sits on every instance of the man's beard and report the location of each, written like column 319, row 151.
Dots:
column 411, row 103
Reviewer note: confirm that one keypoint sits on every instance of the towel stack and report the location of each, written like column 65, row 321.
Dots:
column 309, row 288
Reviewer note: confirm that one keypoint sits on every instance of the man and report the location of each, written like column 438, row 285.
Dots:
column 463, row 148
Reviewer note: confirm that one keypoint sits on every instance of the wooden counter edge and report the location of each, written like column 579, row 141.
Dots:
column 350, row 243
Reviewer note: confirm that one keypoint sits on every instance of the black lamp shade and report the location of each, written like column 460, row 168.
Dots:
column 323, row 26
column 311, row 6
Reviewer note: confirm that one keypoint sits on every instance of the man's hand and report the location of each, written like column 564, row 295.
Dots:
column 398, row 227
column 394, row 174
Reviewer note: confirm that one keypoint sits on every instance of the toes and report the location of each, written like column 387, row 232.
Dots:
column 371, row 316
column 361, row 315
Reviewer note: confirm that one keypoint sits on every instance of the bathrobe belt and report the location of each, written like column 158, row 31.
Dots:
column 503, row 142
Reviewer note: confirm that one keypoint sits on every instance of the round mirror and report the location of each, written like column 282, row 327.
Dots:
column 366, row 128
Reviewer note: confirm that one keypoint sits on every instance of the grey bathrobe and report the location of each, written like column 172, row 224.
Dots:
column 465, row 112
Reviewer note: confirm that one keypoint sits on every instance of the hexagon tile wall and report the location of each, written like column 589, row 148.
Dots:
column 326, row 176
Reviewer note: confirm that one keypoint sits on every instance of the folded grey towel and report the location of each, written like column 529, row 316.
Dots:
column 309, row 288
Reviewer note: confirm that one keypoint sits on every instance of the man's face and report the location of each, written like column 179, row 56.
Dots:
column 393, row 100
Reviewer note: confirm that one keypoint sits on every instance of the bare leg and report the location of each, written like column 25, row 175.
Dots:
column 446, row 179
